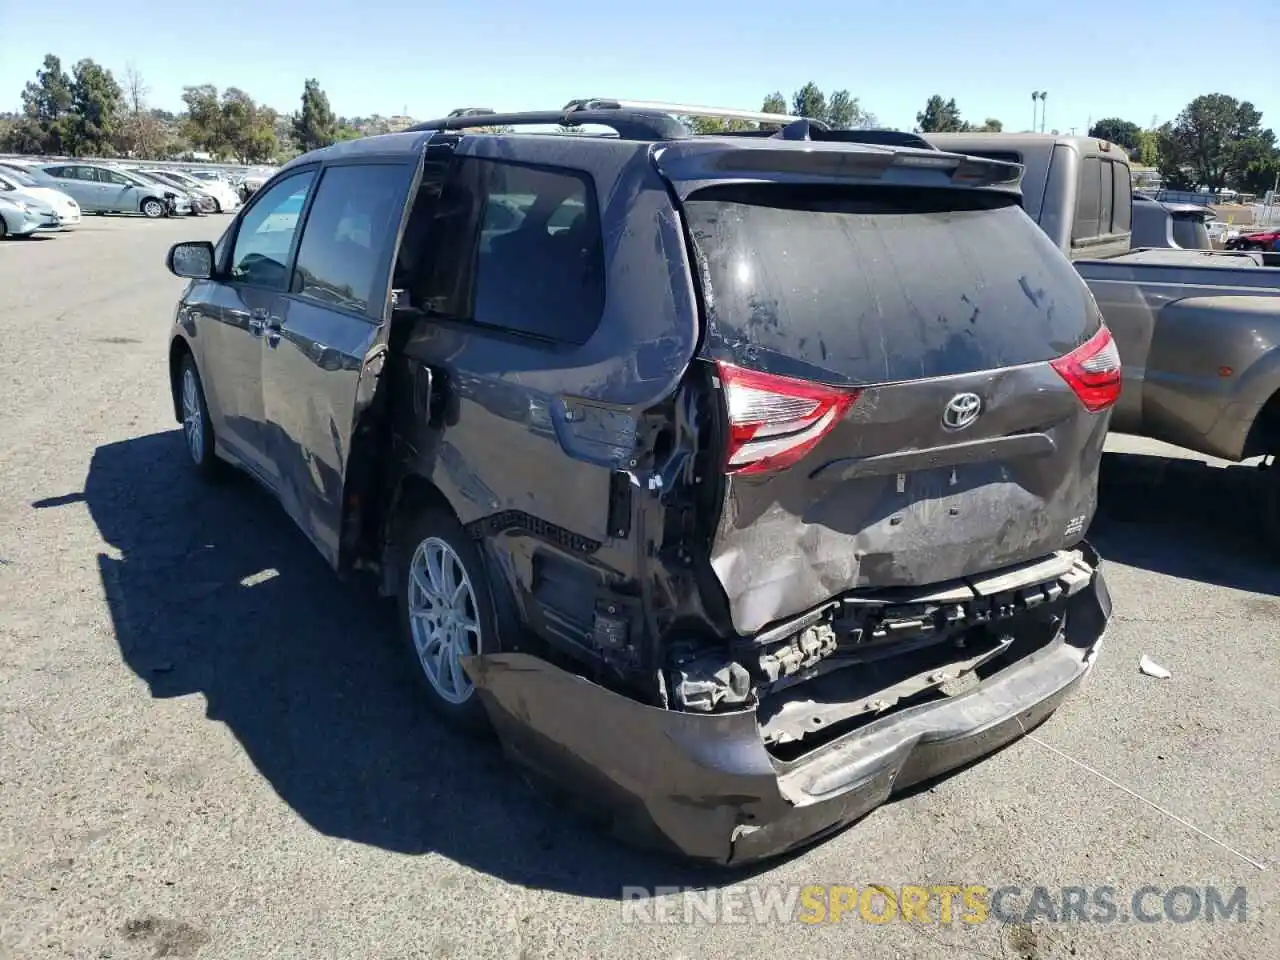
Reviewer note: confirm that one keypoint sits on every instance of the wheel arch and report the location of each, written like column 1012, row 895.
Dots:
column 1264, row 433
column 415, row 491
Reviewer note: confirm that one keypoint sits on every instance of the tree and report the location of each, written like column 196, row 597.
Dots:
column 248, row 130
column 45, row 126
column 138, row 133
column 1215, row 140
column 840, row 111
column 95, row 107
column 990, row 125
column 1148, row 152
column 809, row 101
column 845, row 112
column 715, row 124
column 314, row 125
column 203, row 123
column 940, row 116
column 1124, row 132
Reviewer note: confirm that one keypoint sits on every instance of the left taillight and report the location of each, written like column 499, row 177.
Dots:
column 1092, row 370
column 774, row 421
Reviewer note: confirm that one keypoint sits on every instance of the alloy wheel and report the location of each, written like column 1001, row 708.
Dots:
column 192, row 415
column 444, row 618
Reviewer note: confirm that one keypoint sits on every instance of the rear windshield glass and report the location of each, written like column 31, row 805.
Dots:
column 881, row 285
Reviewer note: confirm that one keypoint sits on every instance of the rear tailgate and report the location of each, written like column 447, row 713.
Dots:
column 893, row 417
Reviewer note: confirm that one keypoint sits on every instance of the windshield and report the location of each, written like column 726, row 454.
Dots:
column 881, row 285
column 21, row 179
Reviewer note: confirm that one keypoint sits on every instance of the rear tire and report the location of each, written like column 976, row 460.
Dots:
column 4, row 229
column 152, row 208
column 197, row 429
column 446, row 611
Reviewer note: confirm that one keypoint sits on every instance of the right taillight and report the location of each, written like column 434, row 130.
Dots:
column 774, row 421
column 1092, row 370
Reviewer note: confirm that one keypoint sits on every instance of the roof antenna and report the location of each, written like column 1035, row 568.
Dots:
column 796, row 130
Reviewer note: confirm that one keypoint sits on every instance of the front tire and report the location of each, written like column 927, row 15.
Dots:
column 446, row 612
column 197, row 428
column 152, row 208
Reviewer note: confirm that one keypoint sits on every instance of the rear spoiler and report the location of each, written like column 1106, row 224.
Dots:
column 808, row 130
column 704, row 161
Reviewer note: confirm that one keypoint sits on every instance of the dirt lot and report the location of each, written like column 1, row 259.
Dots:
column 207, row 748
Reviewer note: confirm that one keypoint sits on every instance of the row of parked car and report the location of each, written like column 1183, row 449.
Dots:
column 40, row 195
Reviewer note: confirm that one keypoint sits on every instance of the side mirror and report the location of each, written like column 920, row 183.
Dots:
column 192, row 260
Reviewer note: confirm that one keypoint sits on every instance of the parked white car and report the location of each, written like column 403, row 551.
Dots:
column 225, row 198
column 224, row 191
column 16, row 185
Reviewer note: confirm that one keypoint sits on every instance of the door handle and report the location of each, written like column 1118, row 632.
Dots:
column 272, row 327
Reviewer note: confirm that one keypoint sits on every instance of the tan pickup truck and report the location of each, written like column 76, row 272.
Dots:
column 1198, row 330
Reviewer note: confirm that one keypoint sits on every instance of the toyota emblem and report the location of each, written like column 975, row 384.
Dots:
column 961, row 410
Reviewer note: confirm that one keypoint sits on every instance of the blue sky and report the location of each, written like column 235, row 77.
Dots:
column 1094, row 58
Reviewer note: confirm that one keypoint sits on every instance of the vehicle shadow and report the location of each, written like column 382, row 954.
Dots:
column 216, row 592
column 1187, row 519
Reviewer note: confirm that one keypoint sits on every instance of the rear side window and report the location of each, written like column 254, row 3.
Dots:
column 881, row 285
column 355, row 211
column 1122, row 204
column 1190, row 232
column 1089, row 201
column 539, row 266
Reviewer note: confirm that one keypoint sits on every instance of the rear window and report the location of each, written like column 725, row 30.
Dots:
column 876, row 286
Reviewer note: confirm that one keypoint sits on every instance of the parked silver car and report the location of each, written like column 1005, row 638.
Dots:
column 19, row 185
column 23, row 216
column 99, row 188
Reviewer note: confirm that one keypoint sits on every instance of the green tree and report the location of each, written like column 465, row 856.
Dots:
column 314, row 126
column 840, row 111
column 715, row 124
column 95, row 107
column 248, row 129
column 1216, row 140
column 774, row 103
column 1124, row 132
column 1148, row 152
column 203, row 123
column 845, row 112
column 940, row 116
column 990, row 125
column 809, row 101
column 46, row 123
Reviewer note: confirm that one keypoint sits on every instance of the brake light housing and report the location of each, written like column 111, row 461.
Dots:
column 1092, row 370
column 773, row 420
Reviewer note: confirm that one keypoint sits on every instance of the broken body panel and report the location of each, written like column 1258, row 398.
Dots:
column 775, row 507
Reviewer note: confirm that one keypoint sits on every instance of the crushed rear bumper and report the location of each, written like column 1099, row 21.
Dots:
column 703, row 785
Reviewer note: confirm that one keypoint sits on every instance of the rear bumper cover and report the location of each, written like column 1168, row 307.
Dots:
column 703, row 786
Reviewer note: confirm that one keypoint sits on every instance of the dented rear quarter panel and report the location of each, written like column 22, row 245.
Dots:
column 529, row 434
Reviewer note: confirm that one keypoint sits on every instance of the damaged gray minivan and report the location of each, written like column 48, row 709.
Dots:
column 737, row 481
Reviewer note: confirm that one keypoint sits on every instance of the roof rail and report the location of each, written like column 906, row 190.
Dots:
column 628, row 124
column 684, row 110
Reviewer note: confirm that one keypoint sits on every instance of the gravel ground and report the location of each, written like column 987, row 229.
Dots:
column 208, row 748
